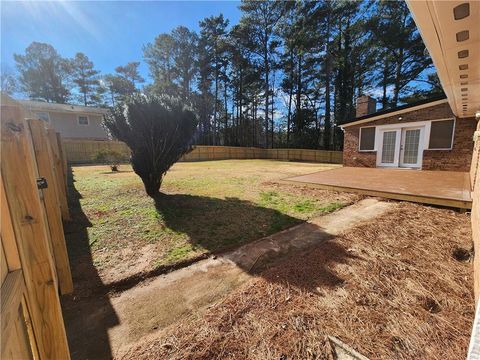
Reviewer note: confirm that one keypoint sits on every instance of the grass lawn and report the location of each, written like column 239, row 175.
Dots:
column 208, row 207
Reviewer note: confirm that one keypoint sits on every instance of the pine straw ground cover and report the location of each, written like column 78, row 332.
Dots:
column 392, row 289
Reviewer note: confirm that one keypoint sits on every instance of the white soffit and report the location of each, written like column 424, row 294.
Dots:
column 457, row 60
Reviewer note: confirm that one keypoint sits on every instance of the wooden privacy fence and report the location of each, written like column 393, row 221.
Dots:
column 83, row 152
column 34, row 260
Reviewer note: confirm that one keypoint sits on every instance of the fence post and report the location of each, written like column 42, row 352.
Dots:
column 57, row 165
column 44, row 159
column 28, row 219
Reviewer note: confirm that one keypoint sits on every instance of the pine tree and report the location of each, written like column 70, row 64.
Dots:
column 43, row 73
column 86, row 78
column 213, row 32
column 160, row 59
column 404, row 57
column 260, row 18
column 130, row 74
column 184, row 59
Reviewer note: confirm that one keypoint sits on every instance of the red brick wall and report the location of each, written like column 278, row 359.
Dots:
column 457, row 159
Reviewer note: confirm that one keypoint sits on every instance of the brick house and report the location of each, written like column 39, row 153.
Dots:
column 424, row 135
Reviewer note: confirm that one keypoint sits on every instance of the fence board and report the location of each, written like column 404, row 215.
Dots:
column 28, row 220
column 12, row 292
column 44, row 159
column 58, row 168
column 63, row 160
column 7, row 235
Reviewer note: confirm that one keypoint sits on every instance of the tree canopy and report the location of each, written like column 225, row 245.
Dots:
column 287, row 75
column 158, row 131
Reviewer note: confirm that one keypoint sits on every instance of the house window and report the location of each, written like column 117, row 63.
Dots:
column 83, row 120
column 43, row 116
column 367, row 139
column 441, row 134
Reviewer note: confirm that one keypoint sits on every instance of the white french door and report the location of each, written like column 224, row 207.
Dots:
column 389, row 148
column 411, row 148
column 400, row 147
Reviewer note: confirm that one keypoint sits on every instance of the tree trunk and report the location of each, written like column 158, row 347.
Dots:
column 226, row 113
column 215, row 109
column 254, row 121
column 347, row 97
column 340, row 118
column 152, row 185
column 399, row 65
column 290, row 95
column 240, row 106
column 384, row 82
column 273, row 109
column 327, row 120
column 398, row 75
column 299, row 119
column 289, row 116
column 266, row 88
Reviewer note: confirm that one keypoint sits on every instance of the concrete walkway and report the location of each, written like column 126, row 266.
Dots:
column 150, row 307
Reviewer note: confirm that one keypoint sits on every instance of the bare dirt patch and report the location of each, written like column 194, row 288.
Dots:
column 389, row 288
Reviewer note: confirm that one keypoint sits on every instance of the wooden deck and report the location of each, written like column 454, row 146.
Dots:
column 445, row 188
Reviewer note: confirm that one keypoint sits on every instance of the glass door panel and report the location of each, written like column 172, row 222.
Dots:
column 389, row 147
column 410, row 148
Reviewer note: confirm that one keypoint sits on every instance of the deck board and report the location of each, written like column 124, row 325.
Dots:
column 446, row 188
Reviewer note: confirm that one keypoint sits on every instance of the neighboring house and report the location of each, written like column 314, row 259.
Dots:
column 424, row 135
column 71, row 121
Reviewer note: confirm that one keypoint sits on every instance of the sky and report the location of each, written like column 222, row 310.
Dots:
column 110, row 33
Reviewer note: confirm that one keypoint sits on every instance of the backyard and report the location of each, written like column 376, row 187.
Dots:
column 207, row 207
column 206, row 271
column 258, row 180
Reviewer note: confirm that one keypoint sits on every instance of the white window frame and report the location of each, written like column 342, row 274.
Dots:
column 427, row 135
column 374, row 139
column 85, row 116
column 43, row 112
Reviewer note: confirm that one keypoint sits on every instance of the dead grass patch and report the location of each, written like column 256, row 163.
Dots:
column 391, row 289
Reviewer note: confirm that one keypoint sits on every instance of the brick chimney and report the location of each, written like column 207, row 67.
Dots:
column 365, row 105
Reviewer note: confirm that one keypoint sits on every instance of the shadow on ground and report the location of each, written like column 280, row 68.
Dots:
column 85, row 322
column 178, row 211
column 230, row 220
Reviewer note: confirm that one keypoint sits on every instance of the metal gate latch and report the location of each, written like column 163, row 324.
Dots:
column 42, row 183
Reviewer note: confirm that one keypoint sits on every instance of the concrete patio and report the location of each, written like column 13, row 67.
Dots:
column 444, row 188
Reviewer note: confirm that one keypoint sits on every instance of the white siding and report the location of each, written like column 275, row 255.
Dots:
column 67, row 125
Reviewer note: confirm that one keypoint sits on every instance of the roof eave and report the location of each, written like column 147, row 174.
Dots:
column 394, row 113
column 458, row 74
